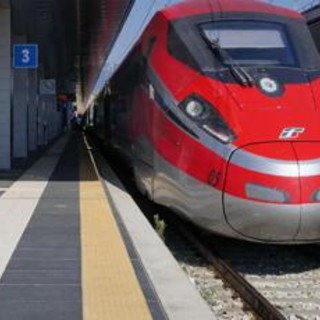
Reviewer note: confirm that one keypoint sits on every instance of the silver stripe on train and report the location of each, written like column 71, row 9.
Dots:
column 274, row 167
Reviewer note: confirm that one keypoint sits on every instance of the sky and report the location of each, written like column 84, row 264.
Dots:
column 295, row 4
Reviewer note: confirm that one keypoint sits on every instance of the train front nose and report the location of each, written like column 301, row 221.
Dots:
column 273, row 194
column 308, row 154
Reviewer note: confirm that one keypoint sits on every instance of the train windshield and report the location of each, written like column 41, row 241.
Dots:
column 251, row 43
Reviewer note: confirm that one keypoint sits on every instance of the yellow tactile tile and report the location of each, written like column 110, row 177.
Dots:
column 110, row 288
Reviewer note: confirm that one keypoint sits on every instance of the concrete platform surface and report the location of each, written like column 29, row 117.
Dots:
column 74, row 246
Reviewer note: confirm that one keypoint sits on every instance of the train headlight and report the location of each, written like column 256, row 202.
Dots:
column 207, row 118
column 194, row 108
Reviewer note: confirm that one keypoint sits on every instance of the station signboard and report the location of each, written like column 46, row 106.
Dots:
column 25, row 56
column 47, row 86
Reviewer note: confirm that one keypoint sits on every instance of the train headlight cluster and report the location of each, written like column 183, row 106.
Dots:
column 207, row 118
column 194, row 108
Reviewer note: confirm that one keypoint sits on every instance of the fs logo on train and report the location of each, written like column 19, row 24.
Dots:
column 291, row 133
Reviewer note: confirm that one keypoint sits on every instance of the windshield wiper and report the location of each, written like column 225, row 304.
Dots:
column 238, row 72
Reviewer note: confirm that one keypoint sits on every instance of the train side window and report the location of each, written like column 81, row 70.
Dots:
column 149, row 47
column 179, row 50
column 143, row 57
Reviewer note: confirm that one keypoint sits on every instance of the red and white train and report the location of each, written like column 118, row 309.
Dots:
column 218, row 109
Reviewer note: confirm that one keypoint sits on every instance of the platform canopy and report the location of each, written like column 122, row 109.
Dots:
column 74, row 36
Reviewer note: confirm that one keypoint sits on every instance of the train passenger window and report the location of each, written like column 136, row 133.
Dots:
column 149, row 47
column 179, row 50
column 251, row 42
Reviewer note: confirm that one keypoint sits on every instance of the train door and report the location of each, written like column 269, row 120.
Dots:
column 142, row 122
column 121, row 105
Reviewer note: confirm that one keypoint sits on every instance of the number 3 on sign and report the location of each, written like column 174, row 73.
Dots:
column 25, row 56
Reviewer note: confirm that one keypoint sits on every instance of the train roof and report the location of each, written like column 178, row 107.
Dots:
column 195, row 7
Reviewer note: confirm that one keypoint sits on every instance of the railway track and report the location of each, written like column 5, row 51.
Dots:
column 291, row 283
column 223, row 301
column 253, row 299
column 277, row 282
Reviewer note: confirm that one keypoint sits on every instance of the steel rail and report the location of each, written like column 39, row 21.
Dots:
column 252, row 298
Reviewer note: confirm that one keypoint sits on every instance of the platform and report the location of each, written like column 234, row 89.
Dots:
column 73, row 245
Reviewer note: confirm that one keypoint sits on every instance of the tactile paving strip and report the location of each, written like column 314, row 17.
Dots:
column 110, row 287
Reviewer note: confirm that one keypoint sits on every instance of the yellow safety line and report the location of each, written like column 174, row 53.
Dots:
column 110, row 289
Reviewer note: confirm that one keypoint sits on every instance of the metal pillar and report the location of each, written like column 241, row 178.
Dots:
column 20, row 109
column 5, row 81
column 33, row 101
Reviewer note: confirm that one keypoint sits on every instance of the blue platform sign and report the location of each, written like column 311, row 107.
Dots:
column 25, row 56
